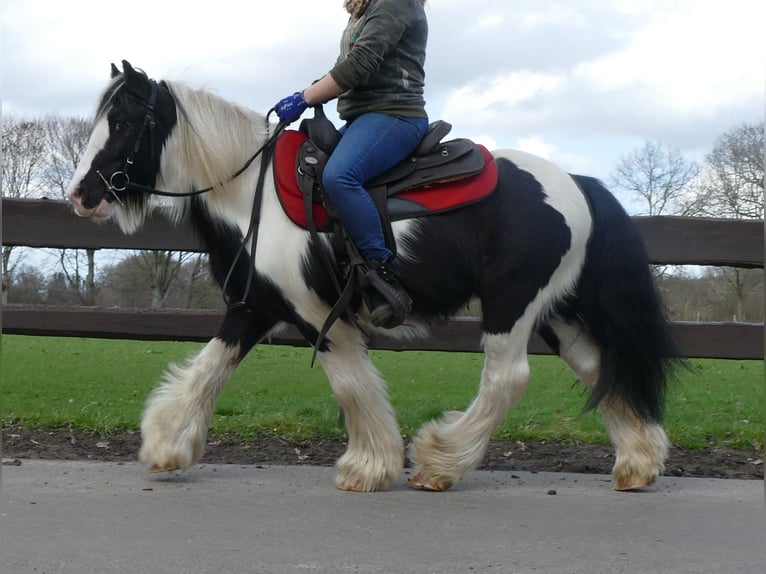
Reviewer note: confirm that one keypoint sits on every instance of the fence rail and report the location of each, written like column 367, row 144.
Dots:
column 47, row 223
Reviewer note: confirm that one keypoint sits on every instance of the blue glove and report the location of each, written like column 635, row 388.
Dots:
column 290, row 108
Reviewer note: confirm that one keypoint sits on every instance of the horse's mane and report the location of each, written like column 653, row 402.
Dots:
column 217, row 135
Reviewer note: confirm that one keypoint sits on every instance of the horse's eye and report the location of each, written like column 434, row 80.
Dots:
column 119, row 126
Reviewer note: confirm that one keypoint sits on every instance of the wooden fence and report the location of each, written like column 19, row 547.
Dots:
column 46, row 223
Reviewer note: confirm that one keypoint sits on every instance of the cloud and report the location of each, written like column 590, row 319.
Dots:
column 575, row 79
column 681, row 73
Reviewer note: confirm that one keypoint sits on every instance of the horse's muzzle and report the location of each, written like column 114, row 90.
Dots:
column 102, row 211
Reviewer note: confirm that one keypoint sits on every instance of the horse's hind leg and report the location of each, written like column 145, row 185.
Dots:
column 374, row 456
column 445, row 450
column 641, row 446
column 178, row 412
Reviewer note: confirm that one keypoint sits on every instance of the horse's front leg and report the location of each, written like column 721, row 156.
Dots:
column 374, row 457
column 177, row 415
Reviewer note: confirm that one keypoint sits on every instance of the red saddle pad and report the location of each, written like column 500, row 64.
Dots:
column 419, row 201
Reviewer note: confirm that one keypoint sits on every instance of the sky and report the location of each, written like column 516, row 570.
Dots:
column 580, row 82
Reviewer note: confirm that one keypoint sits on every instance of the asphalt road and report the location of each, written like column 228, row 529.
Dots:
column 111, row 518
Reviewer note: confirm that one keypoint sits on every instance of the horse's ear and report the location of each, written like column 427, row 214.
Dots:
column 115, row 71
column 128, row 69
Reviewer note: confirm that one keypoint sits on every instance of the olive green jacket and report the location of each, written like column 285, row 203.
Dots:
column 382, row 55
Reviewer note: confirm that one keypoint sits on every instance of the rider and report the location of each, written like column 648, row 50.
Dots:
column 378, row 80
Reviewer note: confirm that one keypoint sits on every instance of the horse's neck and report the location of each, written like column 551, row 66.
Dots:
column 211, row 142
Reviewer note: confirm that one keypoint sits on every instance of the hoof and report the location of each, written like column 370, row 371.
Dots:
column 372, row 478
column 351, row 487
column 423, row 482
column 360, row 484
column 155, row 468
column 634, row 484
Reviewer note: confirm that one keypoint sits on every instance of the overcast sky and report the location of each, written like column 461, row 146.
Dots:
column 582, row 82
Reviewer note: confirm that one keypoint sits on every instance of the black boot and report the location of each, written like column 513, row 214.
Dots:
column 387, row 299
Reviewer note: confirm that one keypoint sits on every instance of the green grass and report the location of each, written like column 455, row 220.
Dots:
column 101, row 385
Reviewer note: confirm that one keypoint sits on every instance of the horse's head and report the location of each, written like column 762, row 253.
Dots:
column 134, row 119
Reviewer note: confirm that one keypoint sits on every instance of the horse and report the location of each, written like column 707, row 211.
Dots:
column 546, row 252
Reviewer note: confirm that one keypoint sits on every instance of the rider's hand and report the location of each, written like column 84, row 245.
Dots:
column 290, row 108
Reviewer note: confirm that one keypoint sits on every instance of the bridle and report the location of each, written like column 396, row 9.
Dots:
column 120, row 180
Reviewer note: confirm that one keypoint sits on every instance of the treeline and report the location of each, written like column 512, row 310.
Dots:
column 714, row 294
column 168, row 279
column 717, row 294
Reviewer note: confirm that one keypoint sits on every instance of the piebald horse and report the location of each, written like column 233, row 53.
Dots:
column 545, row 252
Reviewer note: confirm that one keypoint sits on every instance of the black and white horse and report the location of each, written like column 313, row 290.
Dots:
column 547, row 252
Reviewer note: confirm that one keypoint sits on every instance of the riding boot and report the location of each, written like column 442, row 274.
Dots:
column 387, row 299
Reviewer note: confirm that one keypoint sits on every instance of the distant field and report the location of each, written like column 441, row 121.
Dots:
column 101, row 385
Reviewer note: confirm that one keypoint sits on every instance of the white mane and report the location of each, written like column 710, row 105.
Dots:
column 213, row 139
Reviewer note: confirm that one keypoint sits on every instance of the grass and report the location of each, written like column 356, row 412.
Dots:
column 101, row 385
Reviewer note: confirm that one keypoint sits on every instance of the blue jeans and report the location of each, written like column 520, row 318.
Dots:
column 371, row 144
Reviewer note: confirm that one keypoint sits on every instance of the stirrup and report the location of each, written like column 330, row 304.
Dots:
column 388, row 301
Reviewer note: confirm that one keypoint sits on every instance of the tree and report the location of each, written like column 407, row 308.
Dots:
column 66, row 140
column 732, row 182
column 161, row 268
column 23, row 157
column 23, row 153
column 150, row 279
column 201, row 290
column 60, row 292
column 82, row 284
column 732, row 185
column 28, row 286
column 658, row 175
column 123, row 285
column 707, row 296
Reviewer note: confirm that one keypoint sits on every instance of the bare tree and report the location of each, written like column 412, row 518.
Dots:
column 129, row 282
column 28, row 286
column 161, row 268
column 732, row 185
column 201, row 289
column 23, row 152
column 23, row 157
column 66, row 139
column 78, row 273
column 658, row 175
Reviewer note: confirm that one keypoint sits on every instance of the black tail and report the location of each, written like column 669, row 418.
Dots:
column 618, row 302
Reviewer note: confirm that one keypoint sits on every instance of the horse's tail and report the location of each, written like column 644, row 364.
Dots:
column 622, row 311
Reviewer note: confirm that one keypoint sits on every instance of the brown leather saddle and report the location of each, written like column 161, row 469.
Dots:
column 432, row 162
